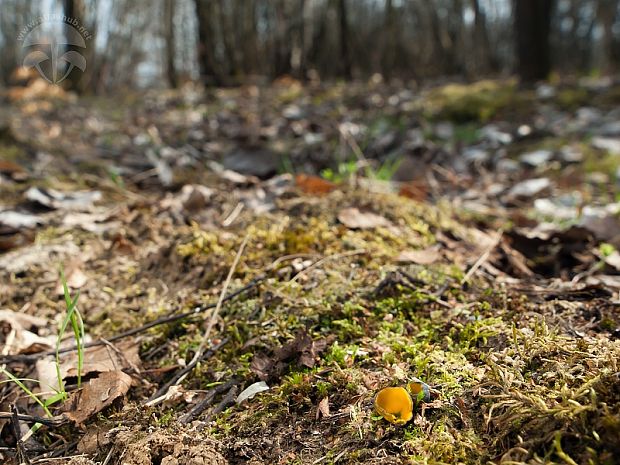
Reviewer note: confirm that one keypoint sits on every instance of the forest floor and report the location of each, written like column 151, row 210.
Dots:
column 465, row 235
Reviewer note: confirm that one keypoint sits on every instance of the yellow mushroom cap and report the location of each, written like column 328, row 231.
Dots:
column 419, row 390
column 395, row 405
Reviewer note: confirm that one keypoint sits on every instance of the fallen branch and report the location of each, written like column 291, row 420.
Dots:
column 53, row 422
column 483, row 258
column 207, row 401
column 161, row 393
column 131, row 332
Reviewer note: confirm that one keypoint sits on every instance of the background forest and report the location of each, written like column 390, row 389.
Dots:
column 166, row 42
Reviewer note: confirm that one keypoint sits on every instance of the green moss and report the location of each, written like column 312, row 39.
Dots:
column 479, row 101
column 572, row 98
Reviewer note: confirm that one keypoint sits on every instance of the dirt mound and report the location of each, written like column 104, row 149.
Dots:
column 138, row 447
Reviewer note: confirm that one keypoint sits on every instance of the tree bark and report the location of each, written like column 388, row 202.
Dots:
column 345, row 55
column 532, row 23
column 206, row 61
column 171, row 73
column 74, row 9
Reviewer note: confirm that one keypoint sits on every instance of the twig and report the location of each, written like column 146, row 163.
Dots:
column 353, row 144
column 483, row 258
column 205, row 338
column 131, row 332
column 233, row 215
column 22, row 456
column 228, row 399
column 207, row 401
column 218, row 306
column 56, row 421
column 325, row 259
column 160, row 394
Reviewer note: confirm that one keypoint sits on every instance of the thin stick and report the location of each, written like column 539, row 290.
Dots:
column 325, row 259
column 55, row 421
column 218, row 306
column 159, row 321
column 205, row 338
column 207, row 401
column 483, row 258
column 22, row 456
column 160, row 395
column 228, row 399
column 233, row 215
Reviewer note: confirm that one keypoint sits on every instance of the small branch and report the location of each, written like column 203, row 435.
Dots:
column 22, row 456
column 160, row 321
column 228, row 399
column 483, row 258
column 207, row 401
column 326, row 259
column 160, row 394
column 53, row 422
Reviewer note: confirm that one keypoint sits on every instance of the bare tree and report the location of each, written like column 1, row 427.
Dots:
column 532, row 26
column 168, row 22
column 206, row 57
column 345, row 56
column 75, row 9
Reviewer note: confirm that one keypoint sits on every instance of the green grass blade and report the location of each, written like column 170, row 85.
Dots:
column 28, row 392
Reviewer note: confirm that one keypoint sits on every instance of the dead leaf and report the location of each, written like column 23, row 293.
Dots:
column 98, row 394
column 355, row 219
column 415, row 190
column 75, row 278
column 19, row 220
column 100, row 359
column 178, row 393
column 251, row 391
column 529, row 188
column 314, row 185
column 21, row 260
column 302, row 349
column 419, row 257
column 57, row 200
column 20, row 331
column 94, row 439
column 322, row 409
column 12, row 169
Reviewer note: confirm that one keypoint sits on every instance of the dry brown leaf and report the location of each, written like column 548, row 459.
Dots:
column 100, row 359
column 103, row 358
column 613, row 260
column 355, row 219
column 416, row 190
column 76, row 278
column 303, row 349
column 313, row 184
column 322, row 409
column 419, row 257
column 98, row 394
column 20, row 335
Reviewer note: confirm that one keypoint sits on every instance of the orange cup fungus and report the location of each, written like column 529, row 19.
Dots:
column 396, row 404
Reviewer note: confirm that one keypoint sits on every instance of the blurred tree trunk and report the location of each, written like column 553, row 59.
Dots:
column 206, row 59
column 389, row 42
column 481, row 39
column 345, row 55
column 606, row 14
column 171, row 74
column 281, row 41
column 74, row 9
column 532, row 23
column 298, row 55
